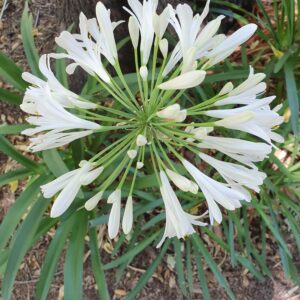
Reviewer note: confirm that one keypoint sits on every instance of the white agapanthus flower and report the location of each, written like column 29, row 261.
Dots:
column 69, row 185
column 152, row 130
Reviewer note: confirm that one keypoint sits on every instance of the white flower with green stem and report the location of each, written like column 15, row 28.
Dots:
column 155, row 129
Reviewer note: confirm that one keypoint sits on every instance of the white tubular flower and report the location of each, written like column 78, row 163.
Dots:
column 58, row 92
column 173, row 112
column 178, row 222
column 106, row 32
column 127, row 220
column 243, row 151
column 187, row 27
column 182, row 182
column 92, row 202
column 114, row 216
column 69, row 184
column 58, row 122
column 161, row 22
column 184, row 81
column 260, row 125
column 250, row 178
column 229, row 45
column 215, row 192
column 143, row 13
column 246, row 92
column 93, row 41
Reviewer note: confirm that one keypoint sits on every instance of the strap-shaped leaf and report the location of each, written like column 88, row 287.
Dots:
column 14, row 175
column 147, row 275
column 10, row 97
column 199, row 247
column 28, row 42
column 52, row 257
column 7, row 148
column 97, row 265
column 21, row 244
column 16, row 212
column 12, row 129
column 11, row 73
column 73, row 268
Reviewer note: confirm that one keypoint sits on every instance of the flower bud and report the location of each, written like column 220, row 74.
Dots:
column 134, row 32
column 141, row 140
column 132, row 153
column 92, row 202
column 144, row 73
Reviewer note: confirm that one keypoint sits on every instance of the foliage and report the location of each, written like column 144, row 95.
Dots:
column 276, row 209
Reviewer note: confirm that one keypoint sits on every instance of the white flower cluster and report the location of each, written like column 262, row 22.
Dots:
column 153, row 125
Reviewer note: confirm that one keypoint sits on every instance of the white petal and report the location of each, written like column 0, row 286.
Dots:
column 184, row 81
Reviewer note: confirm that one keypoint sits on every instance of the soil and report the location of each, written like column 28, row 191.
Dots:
column 163, row 284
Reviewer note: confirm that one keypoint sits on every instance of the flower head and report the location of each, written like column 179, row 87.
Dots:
column 154, row 130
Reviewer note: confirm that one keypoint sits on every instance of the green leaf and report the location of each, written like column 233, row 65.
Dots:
column 179, row 266
column 54, row 162
column 7, row 148
column 10, row 97
column 18, row 209
column 139, row 247
column 12, row 129
column 21, row 245
column 97, row 265
column 14, row 175
column 147, row 275
column 11, row 73
column 292, row 95
column 201, row 275
column 199, row 246
column 28, row 42
column 52, row 257
column 73, row 268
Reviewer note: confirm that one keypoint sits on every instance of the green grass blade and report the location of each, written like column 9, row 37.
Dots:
column 21, row 244
column 73, row 269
